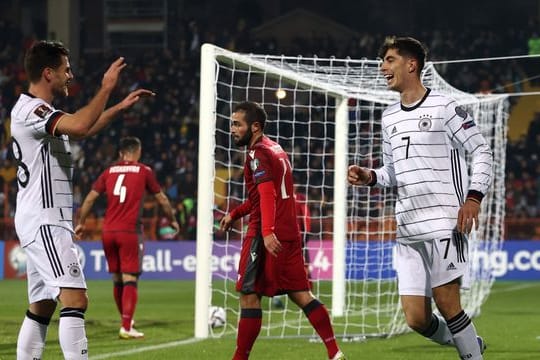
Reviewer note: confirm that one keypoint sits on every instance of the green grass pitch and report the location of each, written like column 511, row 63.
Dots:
column 509, row 323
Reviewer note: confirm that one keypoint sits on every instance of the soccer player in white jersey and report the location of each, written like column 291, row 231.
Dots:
column 425, row 138
column 43, row 219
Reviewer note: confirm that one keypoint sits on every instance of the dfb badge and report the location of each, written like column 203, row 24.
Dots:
column 425, row 123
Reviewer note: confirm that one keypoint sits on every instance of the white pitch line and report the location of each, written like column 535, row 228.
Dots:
column 514, row 288
column 145, row 348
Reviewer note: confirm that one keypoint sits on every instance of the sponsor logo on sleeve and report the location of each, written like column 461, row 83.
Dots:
column 259, row 174
column 468, row 124
column 42, row 111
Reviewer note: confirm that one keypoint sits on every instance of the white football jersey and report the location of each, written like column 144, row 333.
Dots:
column 424, row 149
column 45, row 168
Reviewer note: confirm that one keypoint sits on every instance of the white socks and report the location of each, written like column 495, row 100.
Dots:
column 438, row 331
column 31, row 340
column 72, row 334
column 465, row 337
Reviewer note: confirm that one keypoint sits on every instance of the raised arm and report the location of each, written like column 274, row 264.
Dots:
column 81, row 123
column 111, row 112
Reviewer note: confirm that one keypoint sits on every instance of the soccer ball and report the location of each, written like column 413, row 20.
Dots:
column 217, row 317
column 17, row 260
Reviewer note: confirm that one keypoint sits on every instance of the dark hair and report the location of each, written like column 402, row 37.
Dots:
column 43, row 54
column 405, row 46
column 254, row 112
column 129, row 144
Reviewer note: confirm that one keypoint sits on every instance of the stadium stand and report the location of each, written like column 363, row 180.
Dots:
column 168, row 125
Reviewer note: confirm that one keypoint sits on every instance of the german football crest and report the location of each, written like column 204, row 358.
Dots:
column 425, row 123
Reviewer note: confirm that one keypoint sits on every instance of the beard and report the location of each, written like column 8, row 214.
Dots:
column 244, row 140
column 60, row 92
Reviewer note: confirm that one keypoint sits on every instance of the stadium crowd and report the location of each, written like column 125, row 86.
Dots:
column 168, row 124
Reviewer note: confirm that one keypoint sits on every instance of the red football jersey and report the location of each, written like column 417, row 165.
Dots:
column 266, row 161
column 125, row 184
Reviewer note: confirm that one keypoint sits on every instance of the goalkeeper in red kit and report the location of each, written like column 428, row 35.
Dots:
column 271, row 261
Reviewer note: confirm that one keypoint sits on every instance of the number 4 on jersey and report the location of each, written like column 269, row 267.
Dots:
column 119, row 189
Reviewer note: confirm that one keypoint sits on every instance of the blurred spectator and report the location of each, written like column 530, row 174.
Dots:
column 168, row 123
column 8, row 171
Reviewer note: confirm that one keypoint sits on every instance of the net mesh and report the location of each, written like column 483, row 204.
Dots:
column 303, row 123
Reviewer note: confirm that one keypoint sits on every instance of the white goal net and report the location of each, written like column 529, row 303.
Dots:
column 326, row 114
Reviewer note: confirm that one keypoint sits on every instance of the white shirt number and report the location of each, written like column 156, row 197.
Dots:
column 284, row 194
column 119, row 189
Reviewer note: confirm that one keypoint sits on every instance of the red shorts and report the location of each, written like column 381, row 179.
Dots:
column 123, row 251
column 263, row 274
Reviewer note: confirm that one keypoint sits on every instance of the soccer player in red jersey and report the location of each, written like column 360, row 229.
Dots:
column 125, row 183
column 271, row 261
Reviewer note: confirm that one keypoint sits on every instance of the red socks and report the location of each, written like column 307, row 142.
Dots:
column 320, row 320
column 249, row 327
column 129, row 301
column 117, row 293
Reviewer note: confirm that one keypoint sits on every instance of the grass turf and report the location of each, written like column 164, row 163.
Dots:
column 508, row 322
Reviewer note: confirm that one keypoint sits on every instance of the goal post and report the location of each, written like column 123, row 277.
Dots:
column 340, row 206
column 205, row 199
column 326, row 114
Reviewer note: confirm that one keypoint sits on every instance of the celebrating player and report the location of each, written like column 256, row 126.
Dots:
column 425, row 138
column 271, row 261
column 125, row 183
column 43, row 219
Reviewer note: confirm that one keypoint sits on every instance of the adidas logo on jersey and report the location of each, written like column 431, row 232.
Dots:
column 394, row 130
column 451, row 266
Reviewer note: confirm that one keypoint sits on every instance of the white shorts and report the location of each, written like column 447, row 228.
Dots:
column 422, row 266
column 52, row 263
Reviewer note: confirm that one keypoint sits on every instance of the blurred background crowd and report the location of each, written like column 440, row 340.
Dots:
column 169, row 65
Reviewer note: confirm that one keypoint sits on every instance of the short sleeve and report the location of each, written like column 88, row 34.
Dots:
column 43, row 118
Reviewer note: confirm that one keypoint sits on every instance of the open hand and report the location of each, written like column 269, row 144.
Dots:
column 110, row 78
column 467, row 215
column 225, row 223
column 135, row 96
column 79, row 231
